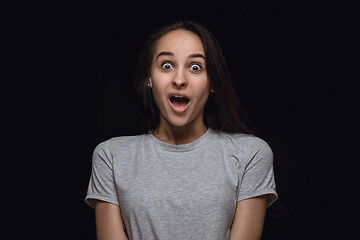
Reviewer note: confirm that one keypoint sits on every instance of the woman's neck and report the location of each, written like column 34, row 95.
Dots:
column 168, row 133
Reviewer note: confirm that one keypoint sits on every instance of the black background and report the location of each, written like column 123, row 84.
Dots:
column 281, row 60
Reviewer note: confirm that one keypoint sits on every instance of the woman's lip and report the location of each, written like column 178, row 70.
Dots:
column 179, row 109
column 178, row 94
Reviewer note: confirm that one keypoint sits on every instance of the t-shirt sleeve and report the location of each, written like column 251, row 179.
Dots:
column 258, row 176
column 101, row 184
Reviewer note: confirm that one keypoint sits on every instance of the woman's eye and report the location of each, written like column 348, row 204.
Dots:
column 166, row 66
column 195, row 67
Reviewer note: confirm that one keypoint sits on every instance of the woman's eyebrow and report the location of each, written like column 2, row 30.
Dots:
column 166, row 54
column 195, row 55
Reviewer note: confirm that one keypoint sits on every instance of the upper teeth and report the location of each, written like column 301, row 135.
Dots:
column 178, row 96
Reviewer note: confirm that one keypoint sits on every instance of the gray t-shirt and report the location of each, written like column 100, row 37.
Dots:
column 185, row 191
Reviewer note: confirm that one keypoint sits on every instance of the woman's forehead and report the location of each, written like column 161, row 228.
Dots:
column 179, row 42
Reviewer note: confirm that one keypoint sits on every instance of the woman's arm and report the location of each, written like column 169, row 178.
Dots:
column 109, row 224
column 249, row 219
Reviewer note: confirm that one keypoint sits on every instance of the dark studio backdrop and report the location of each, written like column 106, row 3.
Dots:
column 280, row 57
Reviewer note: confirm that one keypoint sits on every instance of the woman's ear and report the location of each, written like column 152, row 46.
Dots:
column 149, row 83
column 212, row 91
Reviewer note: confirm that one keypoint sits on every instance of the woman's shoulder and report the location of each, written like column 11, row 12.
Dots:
column 243, row 141
column 120, row 143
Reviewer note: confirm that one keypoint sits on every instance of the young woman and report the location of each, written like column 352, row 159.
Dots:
column 197, row 173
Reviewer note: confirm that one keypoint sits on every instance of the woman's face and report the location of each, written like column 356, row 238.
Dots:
column 179, row 82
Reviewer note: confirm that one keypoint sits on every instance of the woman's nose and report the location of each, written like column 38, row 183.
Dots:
column 179, row 81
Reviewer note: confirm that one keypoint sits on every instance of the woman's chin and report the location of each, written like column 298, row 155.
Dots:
column 177, row 121
column 182, row 120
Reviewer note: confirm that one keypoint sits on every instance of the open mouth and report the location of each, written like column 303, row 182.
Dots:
column 179, row 103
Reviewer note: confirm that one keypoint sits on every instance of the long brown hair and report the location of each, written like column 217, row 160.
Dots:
column 222, row 110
